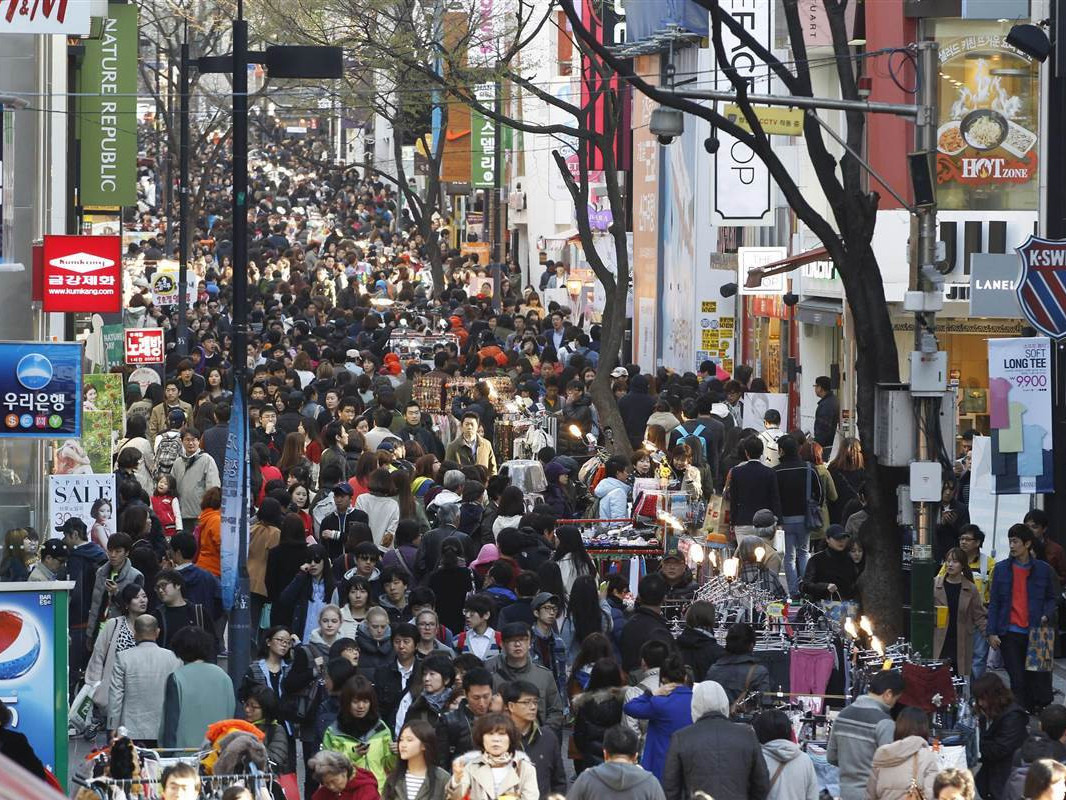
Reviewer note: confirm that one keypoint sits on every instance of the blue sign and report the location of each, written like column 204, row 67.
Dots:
column 234, row 497
column 40, row 390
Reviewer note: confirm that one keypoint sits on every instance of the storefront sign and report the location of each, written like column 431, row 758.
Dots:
column 1042, row 285
column 164, row 286
column 83, row 273
column 993, row 285
column 33, row 670
column 748, row 258
column 67, row 17
column 1019, row 400
column 979, row 327
column 483, row 140
column 108, row 112
column 989, row 120
column 741, row 180
column 40, row 390
column 775, row 121
column 144, row 346
column 815, row 21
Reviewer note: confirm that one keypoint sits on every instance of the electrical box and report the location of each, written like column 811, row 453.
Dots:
column 929, row 373
column 919, row 302
column 926, row 481
column 894, row 425
column 905, row 510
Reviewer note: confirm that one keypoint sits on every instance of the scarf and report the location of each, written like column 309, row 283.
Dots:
column 356, row 726
column 437, row 700
column 503, row 760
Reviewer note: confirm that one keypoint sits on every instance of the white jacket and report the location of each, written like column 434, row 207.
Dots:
column 384, row 514
column 614, row 498
column 797, row 780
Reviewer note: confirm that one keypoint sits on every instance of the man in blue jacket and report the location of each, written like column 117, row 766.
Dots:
column 1024, row 594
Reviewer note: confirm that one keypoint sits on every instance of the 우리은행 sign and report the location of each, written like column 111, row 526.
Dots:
column 40, row 390
column 83, row 273
column 144, row 346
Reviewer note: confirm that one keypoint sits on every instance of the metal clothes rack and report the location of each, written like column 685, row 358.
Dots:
column 261, row 784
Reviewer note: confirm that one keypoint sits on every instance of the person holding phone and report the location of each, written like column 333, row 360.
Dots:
column 359, row 732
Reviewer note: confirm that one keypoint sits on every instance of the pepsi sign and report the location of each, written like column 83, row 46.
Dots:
column 20, row 645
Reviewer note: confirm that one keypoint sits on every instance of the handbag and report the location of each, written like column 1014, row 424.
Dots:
column 914, row 791
column 813, row 514
column 80, row 715
column 1040, row 651
column 839, row 610
column 290, row 785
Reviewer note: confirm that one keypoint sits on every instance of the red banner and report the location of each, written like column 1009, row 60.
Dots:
column 144, row 346
column 83, row 273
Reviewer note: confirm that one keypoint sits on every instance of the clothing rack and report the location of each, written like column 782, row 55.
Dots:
column 259, row 783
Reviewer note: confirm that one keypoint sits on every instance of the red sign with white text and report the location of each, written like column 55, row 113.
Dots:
column 83, row 273
column 144, row 346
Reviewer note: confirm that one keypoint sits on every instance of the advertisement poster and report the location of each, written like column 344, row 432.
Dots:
column 756, row 405
column 1019, row 407
column 715, row 327
column 104, row 392
column 90, row 498
column 164, row 285
column 113, row 346
column 234, row 496
column 40, row 389
column 92, row 452
column 987, row 144
column 33, row 667
column 83, row 273
column 144, row 346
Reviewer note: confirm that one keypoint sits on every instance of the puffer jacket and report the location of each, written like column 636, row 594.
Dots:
column 372, row 653
column 614, row 498
column 594, row 713
column 794, row 771
column 378, row 758
column 699, row 649
column 900, row 763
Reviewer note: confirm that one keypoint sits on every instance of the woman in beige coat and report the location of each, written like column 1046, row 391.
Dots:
column 498, row 767
column 907, row 762
column 956, row 592
column 811, row 452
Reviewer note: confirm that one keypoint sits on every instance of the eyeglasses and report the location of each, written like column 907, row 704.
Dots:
column 315, row 560
column 529, row 702
column 285, row 640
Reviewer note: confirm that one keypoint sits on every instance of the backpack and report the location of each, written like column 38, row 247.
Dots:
column 684, row 433
column 167, row 452
column 460, row 642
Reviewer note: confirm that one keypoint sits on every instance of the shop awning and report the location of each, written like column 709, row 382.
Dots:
column 756, row 274
column 818, row 311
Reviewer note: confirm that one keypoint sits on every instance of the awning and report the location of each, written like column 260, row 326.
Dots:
column 756, row 274
column 818, row 311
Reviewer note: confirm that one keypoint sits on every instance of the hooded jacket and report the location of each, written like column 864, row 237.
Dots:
column 378, row 758
column 699, row 649
column 614, row 498
column 644, row 625
column 373, row 654
column 900, row 763
column 617, row 780
column 797, row 779
column 594, row 713
column 195, row 474
column 636, row 406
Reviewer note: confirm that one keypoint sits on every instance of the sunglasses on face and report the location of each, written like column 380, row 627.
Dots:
column 316, row 560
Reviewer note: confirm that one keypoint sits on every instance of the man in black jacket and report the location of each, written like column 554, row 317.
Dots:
column 453, row 727
column 831, row 573
column 429, row 549
column 826, row 415
column 415, row 431
column 646, row 623
column 636, row 406
column 520, row 699
column 84, row 560
column 392, row 680
column 797, row 485
column 752, row 486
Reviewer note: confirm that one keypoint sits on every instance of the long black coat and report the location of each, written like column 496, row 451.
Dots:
column 716, row 756
column 1004, row 735
column 595, row 712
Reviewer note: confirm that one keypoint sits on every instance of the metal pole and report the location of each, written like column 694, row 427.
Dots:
column 183, row 202
column 923, row 569
column 168, row 195
column 832, row 103
column 239, row 627
column 497, row 182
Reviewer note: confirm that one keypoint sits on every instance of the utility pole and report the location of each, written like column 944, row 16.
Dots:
column 926, row 350
column 183, row 197
column 494, row 207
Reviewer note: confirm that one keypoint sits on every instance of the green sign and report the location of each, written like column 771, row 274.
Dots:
column 114, row 346
column 483, row 140
column 108, row 112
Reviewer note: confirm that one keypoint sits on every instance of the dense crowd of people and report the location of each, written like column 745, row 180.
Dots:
column 422, row 627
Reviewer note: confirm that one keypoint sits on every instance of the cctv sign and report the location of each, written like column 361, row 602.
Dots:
column 144, row 345
column 83, row 273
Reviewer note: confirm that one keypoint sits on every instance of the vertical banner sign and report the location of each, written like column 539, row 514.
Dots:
column 741, row 180
column 483, row 140
column 108, row 112
column 40, row 390
column 234, row 497
column 113, row 338
column 33, row 667
column 1019, row 406
column 83, row 273
column 645, row 263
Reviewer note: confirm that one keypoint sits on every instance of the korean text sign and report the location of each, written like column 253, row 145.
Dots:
column 83, row 273
column 40, row 390
column 144, row 345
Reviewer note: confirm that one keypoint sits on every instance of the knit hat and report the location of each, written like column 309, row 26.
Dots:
column 488, row 554
column 708, row 697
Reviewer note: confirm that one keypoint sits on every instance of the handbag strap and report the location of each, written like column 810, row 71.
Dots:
column 744, row 691
column 777, row 774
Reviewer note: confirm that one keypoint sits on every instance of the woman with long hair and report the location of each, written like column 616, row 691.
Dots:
column 585, row 615
column 698, row 647
column 292, row 453
column 416, row 775
column 956, row 591
column 410, row 508
column 101, row 512
column 451, row 582
column 510, row 510
column 308, row 429
column 20, row 554
column 302, row 600
column 848, row 471
column 360, row 480
column 284, row 559
column 905, row 762
column 405, row 547
column 381, row 507
column 114, row 637
column 329, row 626
column 273, row 663
column 1006, row 726
column 811, row 452
column 596, row 709
column 498, row 768
column 300, row 505
column 571, row 556
column 551, row 581
column 594, row 647
column 359, row 733
column 655, row 435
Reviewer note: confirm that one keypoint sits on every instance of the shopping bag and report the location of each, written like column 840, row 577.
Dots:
column 290, row 785
column 839, row 610
column 1040, row 653
column 80, row 716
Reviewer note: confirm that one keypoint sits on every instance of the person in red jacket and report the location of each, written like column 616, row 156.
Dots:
column 340, row 779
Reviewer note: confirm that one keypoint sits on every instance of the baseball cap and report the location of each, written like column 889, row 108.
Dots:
column 837, row 532
column 55, row 548
column 673, row 552
column 352, row 354
column 619, row 372
column 543, row 598
column 764, row 518
column 343, row 488
column 514, row 630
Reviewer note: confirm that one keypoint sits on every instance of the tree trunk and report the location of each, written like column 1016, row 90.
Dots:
column 612, row 329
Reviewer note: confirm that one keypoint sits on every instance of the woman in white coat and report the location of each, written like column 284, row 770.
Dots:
column 792, row 775
column 497, row 767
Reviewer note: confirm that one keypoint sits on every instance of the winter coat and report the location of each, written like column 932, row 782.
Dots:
column 739, row 675
column 362, row 786
column 643, row 626
column 699, row 649
column 970, row 616
column 399, row 791
column 373, row 654
column 196, row 695
column 1004, row 735
column 614, row 498
column 1040, row 589
column 291, row 608
column 617, row 780
column 261, row 539
column 543, row 747
column 84, row 561
column 458, row 452
column 797, row 779
column 195, row 474
column 826, row 418
column 378, row 758
column 477, row 782
column 550, row 706
column 282, row 565
column 752, row 486
column 716, row 756
column 635, row 407
column 384, row 514
column 666, row 714
column 897, row 764
column 454, row 734
column 594, row 713
column 826, row 567
column 209, row 555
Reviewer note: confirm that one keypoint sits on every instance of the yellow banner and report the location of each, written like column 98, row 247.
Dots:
column 775, row 121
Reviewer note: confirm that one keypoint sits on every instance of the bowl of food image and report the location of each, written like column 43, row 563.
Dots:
column 984, row 129
column 949, row 138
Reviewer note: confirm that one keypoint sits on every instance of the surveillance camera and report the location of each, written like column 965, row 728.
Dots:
column 666, row 124
column 664, row 139
column 1031, row 40
column 710, row 144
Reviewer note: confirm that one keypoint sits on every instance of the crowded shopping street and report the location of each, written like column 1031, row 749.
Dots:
column 505, row 401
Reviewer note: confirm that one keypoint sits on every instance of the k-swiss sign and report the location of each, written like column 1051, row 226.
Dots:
column 83, row 273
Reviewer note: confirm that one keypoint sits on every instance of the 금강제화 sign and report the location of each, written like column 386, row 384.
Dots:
column 40, row 390
column 1019, row 407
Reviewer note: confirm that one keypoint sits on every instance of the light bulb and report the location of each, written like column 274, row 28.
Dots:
column 850, row 629
column 760, row 553
column 878, row 648
column 730, row 567
column 864, row 623
column 575, row 431
column 695, row 553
